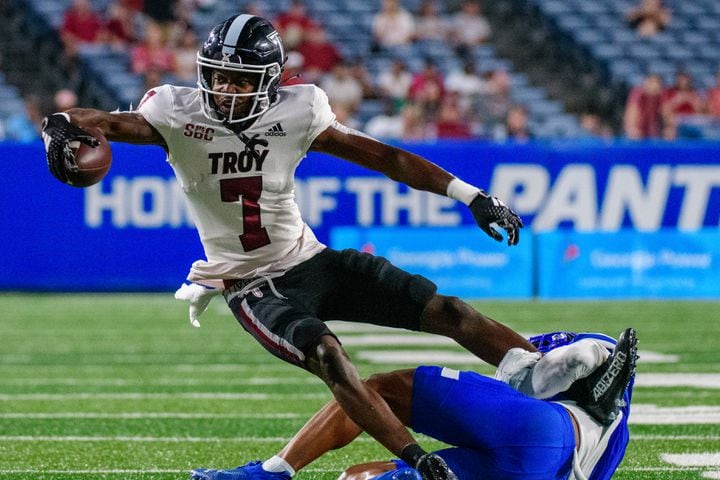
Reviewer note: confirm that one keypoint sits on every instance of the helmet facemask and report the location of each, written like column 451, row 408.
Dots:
column 267, row 78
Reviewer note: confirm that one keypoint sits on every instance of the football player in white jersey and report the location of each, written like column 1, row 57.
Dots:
column 234, row 143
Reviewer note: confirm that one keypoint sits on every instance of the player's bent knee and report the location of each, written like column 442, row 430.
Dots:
column 444, row 314
column 331, row 363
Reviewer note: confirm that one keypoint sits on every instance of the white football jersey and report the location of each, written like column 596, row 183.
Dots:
column 240, row 188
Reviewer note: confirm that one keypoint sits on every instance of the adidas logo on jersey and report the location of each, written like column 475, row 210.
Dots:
column 276, row 131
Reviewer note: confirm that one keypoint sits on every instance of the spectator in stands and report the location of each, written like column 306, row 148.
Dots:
column 186, row 58
column 65, row 99
column 345, row 116
column 135, row 6
column 152, row 78
column 152, row 53
column 387, row 125
column 495, row 102
column 342, row 88
column 469, row 27
column 81, row 25
column 182, row 21
column 24, row 127
column 361, row 74
column 429, row 25
column 293, row 23
column 320, row 55
column 681, row 100
column 643, row 111
column 427, row 88
column 120, row 26
column 649, row 17
column 292, row 72
column 516, row 124
column 395, row 82
column 713, row 98
column 466, row 84
column 392, row 26
column 161, row 12
column 416, row 126
column 593, row 126
column 451, row 124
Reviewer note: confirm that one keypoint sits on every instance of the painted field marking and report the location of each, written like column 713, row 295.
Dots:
column 675, row 438
column 146, row 415
column 145, row 396
column 691, row 380
column 169, row 381
column 132, row 471
column 447, row 356
column 650, row 414
column 642, row 414
column 707, row 459
column 697, row 460
column 397, row 339
column 138, row 439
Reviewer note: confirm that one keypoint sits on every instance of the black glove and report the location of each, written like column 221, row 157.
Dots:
column 57, row 134
column 432, row 467
column 487, row 210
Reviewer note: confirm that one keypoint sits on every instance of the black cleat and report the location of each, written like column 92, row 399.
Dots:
column 601, row 392
column 433, row 467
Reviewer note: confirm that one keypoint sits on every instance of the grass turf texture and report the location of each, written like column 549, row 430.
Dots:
column 121, row 387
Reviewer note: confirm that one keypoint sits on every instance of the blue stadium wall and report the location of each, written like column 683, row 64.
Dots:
column 603, row 220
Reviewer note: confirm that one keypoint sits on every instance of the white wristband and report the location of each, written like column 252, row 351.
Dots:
column 461, row 191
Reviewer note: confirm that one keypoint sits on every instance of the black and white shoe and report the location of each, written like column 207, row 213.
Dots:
column 601, row 392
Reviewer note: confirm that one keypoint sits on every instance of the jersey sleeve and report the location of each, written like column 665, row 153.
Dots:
column 157, row 107
column 322, row 115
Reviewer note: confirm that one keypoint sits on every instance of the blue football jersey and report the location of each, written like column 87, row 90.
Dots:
column 617, row 445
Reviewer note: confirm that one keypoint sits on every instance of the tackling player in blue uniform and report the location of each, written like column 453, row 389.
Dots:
column 495, row 432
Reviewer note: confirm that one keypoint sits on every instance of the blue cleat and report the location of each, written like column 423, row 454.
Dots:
column 249, row 471
column 405, row 473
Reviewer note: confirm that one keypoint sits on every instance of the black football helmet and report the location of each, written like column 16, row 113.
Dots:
column 247, row 44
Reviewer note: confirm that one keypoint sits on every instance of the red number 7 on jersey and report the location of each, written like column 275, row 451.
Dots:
column 247, row 189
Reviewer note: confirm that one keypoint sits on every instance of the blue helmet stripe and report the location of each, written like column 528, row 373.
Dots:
column 233, row 34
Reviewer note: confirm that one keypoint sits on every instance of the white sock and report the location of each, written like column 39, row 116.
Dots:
column 559, row 368
column 277, row 464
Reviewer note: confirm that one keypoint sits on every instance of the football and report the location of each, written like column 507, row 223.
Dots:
column 93, row 163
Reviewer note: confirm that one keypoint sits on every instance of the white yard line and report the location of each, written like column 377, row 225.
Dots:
column 138, row 439
column 146, row 415
column 691, row 380
column 128, row 471
column 8, row 397
column 706, row 459
column 650, row 414
column 168, row 381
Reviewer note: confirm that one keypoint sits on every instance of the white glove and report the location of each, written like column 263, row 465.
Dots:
column 515, row 366
column 199, row 297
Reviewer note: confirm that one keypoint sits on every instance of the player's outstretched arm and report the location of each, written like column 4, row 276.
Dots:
column 63, row 132
column 128, row 127
column 420, row 174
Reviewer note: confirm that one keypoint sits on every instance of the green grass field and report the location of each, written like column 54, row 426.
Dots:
column 122, row 387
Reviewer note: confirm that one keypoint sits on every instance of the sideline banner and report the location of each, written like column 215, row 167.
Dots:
column 461, row 261
column 628, row 264
column 132, row 231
